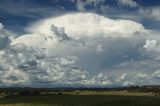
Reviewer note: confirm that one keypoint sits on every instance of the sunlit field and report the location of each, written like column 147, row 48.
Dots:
column 85, row 98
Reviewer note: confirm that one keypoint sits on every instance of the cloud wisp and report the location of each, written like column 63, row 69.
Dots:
column 130, row 3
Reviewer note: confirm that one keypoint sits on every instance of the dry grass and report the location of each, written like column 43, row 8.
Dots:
column 85, row 98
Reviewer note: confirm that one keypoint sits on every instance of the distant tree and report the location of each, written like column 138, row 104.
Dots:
column 77, row 92
column 60, row 93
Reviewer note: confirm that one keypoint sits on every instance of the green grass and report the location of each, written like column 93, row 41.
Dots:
column 81, row 100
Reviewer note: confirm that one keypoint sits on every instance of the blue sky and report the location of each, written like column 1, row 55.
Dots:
column 79, row 42
column 23, row 12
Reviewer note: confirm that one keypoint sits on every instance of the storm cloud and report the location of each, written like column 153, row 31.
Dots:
column 82, row 49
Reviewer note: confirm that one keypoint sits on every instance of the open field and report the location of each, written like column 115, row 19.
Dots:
column 85, row 98
column 121, row 93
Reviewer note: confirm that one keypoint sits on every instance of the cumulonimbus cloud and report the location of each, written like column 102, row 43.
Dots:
column 77, row 49
column 78, row 26
column 88, row 24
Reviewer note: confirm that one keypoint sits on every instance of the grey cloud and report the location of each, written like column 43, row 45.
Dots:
column 47, row 68
column 130, row 3
column 4, row 38
column 60, row 33
column 21, row 65
column 121, row 60
column 154, row 13
column 3, row 42
column 115, row 51
column 82, row 4
column 152, row 48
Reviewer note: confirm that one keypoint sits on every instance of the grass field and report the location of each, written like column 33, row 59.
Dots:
column 84, row 99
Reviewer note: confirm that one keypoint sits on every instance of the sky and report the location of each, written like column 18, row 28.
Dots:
column 79, row 43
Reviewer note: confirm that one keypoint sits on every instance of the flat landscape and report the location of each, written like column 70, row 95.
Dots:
column 84, row 98
column 79, row 52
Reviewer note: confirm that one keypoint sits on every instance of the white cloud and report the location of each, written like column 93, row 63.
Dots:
column 43, row 40
column 135, row 79
column 150, row 44
column 152, row 48
column 22, row 65
column 1, row 27
column 97, row 80
column 141, row 76
column 36, row 40
column 14, row 76
column 81, row 25
column 122, row 77
column 88, row 24
column 77, row 36
column 128, row 83
column 5, row 36
column 63, row 51
column 81, row 4
column 130, row 3
column 26, row 66
column 69, row 60
column 156, row 74
column 99, row 49
column 151, row 13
